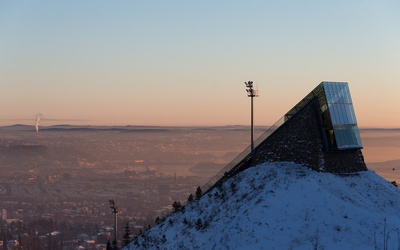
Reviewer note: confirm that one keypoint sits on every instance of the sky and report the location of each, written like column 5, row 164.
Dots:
column 184, row 63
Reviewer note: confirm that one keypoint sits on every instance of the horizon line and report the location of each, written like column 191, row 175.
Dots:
column 183, row 126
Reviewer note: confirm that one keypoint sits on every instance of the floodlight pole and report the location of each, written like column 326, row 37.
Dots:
column 115, row 211
column 251, row 92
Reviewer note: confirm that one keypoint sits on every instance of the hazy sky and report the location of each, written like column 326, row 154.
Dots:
column 185, row 62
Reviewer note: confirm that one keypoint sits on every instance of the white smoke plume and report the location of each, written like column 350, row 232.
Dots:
column 38, row 117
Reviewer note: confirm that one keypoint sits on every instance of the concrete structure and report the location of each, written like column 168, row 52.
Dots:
column 319, row 132
column 4, row 214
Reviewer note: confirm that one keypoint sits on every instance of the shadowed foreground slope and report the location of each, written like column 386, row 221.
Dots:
column 285, row 206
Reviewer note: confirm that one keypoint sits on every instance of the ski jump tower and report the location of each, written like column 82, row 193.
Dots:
column 319, row 132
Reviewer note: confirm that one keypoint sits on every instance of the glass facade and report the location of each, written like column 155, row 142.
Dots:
column 337, row 113
column 340, row 123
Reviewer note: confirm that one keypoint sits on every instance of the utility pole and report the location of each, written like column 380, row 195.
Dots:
column 251, row 92
column 115, row 210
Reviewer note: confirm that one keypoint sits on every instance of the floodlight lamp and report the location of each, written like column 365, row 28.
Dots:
column 113, row 206
column 249, row 84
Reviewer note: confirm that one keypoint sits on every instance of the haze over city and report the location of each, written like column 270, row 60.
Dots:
column 185, row 63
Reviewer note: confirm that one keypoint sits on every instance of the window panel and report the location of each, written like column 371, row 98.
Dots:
column 343, row 114
column 333, row 114
column 348, row 98
column 351, row 114
column 347, row 136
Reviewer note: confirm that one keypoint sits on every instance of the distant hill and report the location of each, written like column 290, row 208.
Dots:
column 127, row 129
column 285, row 206
column 18, row 127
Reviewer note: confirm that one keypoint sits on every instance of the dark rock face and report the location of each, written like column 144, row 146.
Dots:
column 300, row 140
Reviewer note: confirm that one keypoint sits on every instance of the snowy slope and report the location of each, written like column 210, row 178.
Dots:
column 285, row 206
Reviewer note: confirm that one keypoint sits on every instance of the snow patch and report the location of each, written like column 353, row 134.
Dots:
column 285, row 206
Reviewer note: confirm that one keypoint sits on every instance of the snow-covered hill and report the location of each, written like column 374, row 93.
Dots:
column 285, row 206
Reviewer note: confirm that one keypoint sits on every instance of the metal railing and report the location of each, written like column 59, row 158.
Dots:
column 243, row 157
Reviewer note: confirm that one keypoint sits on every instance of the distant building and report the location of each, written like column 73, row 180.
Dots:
column 319, row 132
column 5, row 190
column 4, row 214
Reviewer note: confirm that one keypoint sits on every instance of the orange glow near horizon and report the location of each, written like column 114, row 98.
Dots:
column 185, row 64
